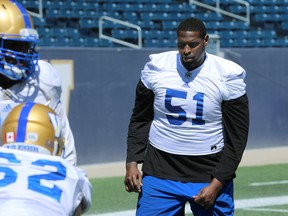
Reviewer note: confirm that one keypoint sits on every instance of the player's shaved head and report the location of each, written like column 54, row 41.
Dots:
column 192, row 24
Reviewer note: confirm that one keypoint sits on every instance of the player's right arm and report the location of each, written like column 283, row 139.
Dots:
column 137, row 140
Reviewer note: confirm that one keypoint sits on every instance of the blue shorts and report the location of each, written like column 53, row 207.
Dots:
column 168, row 198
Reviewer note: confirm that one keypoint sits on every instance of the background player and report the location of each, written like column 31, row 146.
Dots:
column 36, row 179
column 189, row 128
column 23, row 77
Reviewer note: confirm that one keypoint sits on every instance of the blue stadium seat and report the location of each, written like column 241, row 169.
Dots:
column 282, row 42
column 262, row 33
column 139, row 6
column 53, row 13
column 159, row 20
column 170, row 25
column 30, row 5
column 39, row 22
column 278, row 17
column 241, row 42
column 118, row 33
column 92, row 14
column 284, row 25
column 150, row 33
column 124, row 33
column 209, row 16
column 48, row 3
column 226, row 34
column 155, row 16
column 132, row 33
column 112, row 6
column 263, row 17
column 43, row 31
column 270, row 42
column 182, row 8
column 130, row 15
column 150, row 42
column 178, row 16
column 213, row 25
column 148, row 24
column 234, row 25
column 237, row 9
column 85, row 4
column 58, row 31
column 105, row 43
column 92, row 41
column 88, row 23
column 257, row 42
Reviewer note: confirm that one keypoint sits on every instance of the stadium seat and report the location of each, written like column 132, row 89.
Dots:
column 130, row 16
column 282, row 42
column 167, row 25
column 213, row 25
column 39, row 22
column 268, row 20
column 237, row 9
column 284, row 25
column 93, row 14
column 88, row 23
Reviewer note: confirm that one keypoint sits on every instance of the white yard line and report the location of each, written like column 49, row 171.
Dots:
column 261, row 202
column 268, row 183
column 246, row 204
column 267, row 210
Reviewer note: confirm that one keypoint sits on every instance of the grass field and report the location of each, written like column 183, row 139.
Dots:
column 259, row 191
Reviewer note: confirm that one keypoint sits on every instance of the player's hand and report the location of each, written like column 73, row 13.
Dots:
column 133, row 178
column 207, row 196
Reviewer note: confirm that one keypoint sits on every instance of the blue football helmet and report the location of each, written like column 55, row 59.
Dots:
column 18, row 39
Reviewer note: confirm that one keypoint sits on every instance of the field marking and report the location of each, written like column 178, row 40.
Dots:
column 267, row 210
column 268, row 183
column 261, row 202
column 239, row 204
column 122, row 213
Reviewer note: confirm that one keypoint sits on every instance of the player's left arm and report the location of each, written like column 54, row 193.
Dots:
column 235, row 114
column 235, row 118
column 70, row 151
column 51, row 85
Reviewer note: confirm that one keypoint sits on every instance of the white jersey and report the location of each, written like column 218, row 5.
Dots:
column 187, row 104
column 43, row 87
column 34, row 184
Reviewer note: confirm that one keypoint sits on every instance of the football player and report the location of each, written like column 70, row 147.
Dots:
column 23, row 77
column 189, row 128
column 35, row 179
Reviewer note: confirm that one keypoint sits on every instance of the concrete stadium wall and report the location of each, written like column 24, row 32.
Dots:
column 102, row 89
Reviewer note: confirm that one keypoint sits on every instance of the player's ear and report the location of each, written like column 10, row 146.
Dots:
column 206, row 39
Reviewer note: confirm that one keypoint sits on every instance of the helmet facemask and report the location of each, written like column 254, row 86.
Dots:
column 18, row 56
